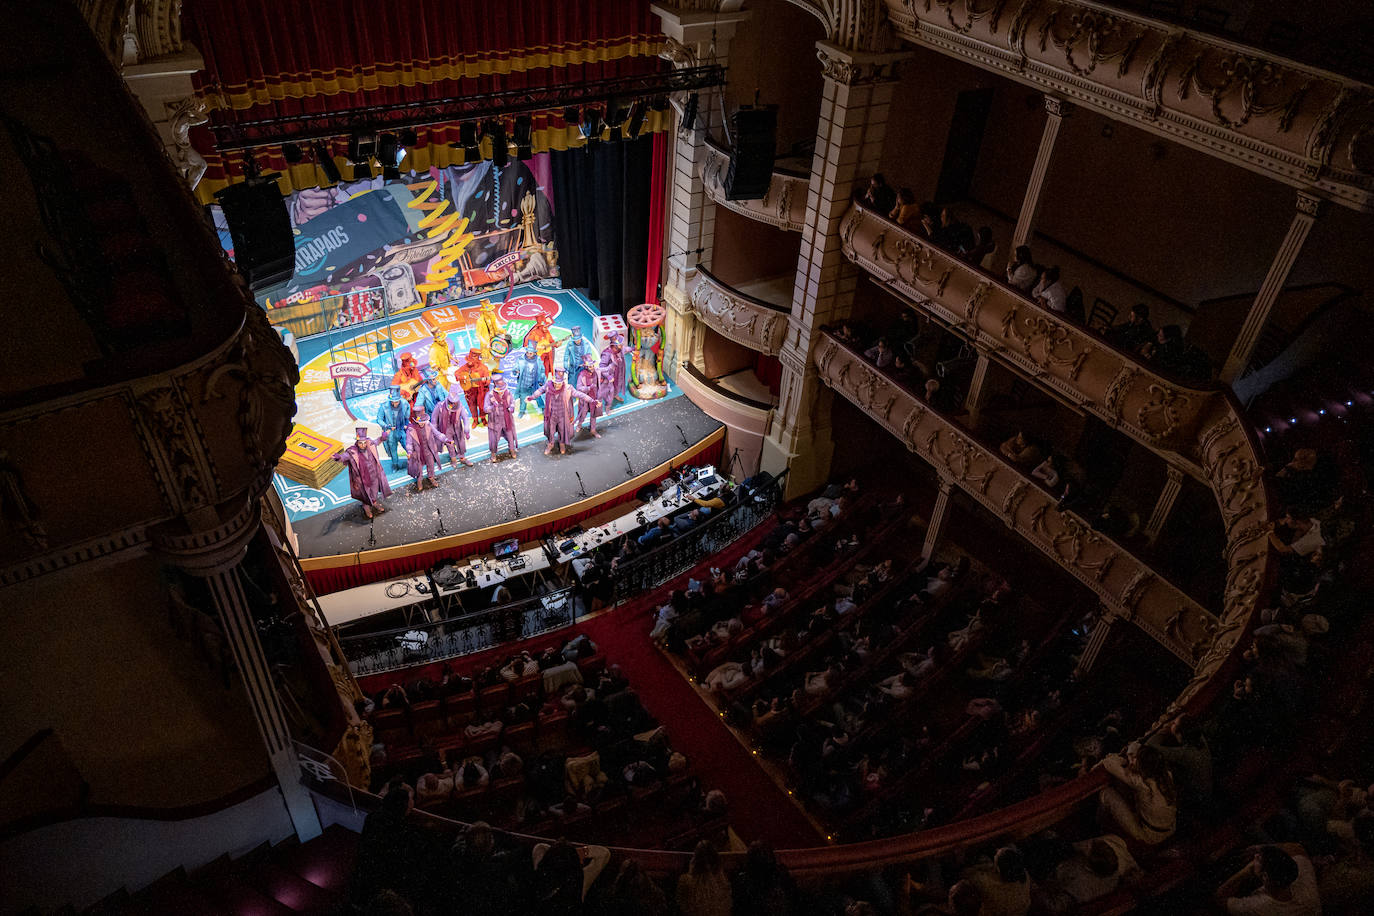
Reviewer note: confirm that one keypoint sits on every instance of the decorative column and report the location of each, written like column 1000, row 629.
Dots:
column 849, row 144
column 1308, row 209
column 1055, row 110
column 1096, row 640
column 693, row 37
column 1164, row 506
column 938, row 515
column 215, row 556
column 977, row 385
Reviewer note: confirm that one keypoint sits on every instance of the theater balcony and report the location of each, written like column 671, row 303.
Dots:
column 782, row 206
column 745, row 318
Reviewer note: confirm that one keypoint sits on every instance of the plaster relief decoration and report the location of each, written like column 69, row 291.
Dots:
column 266, row 396
column 173, row 448
column 1102, row 38
column 1047, row 342
column 913, row 263
column 1248, row 106
column 743, row 319
column 1250, row 86
column 188, row 113
column 19, row 513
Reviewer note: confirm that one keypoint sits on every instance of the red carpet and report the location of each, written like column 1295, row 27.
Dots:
column 759, row 810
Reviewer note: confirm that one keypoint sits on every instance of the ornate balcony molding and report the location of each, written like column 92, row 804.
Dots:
column 1302, row 125
column 745, row 319
column 1158, row 412
column 1201, row 429
column 1123, row 583
column 783, row 205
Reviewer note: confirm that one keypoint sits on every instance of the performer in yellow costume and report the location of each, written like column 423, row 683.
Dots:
column 440, row 356
column 488, row 327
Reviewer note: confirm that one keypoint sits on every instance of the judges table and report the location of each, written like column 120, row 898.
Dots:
column 409, row 592
column 449, row 596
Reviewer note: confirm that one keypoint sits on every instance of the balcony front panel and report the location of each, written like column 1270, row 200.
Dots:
column 783, row 205
column 1123, row 583
column 1303, row 125
column 747, row 320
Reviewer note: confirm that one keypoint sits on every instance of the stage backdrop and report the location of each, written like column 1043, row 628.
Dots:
column 370, row 247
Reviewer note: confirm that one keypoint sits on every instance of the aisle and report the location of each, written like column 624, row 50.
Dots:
column 758, row 808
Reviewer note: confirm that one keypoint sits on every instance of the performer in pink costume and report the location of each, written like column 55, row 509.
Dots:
column 558, row 409
column 589, row 383
column 451, row 418
column 500, row 410
column 366, row 482
column 423, row 445
column 613, row 373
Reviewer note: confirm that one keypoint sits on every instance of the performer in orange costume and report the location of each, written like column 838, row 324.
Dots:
column 542, row 338
column 474, row 378
column 408, row 377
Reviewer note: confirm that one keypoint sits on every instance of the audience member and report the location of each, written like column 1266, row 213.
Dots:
column 952, row 233
column 1150, row 814
column 704, row 890
column 391, row 851
column 1020, row 450
column 1021, row 271
column 1277, row 881
column 983, row 250
column 1174, row 355
column 1003, row 884
column 634, row 894
column 1050, row 293
column 1135, row 333
column 763, row 887
column 879, row 194
column 880, row 354
column 905, row 213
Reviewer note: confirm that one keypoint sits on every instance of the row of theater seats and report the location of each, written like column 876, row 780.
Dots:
column 566, row 749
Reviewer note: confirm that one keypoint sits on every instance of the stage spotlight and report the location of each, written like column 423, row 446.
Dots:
column 637, row 112
column 524, row 133
column 362, row 146
column 689, row 112
column 292, row 153
column 659, row 103
column 470, row 139
column 591, row 125
column 500, row 150
column 326, row 163
column 389, row 157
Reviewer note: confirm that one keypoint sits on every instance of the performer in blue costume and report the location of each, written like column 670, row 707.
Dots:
column 392, row 418
column 431, row 394
column 529, row 377
column 576, row 351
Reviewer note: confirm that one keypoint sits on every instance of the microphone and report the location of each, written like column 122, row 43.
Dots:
column 629, row 468
column 581, row 487
column 515, row 500
column 438, row 513
column 682, row 434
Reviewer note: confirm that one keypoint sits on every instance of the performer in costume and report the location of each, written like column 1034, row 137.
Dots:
column 440, row 356
column 613, row 367
column 529, row 376
column 391, row 417
column 558, row 410
column 451, row 418
column 500, row 408
column 474, row 378
column 488, row 326
column 541, row 337
column 407, row 378
column 589, row 383
column 366, row 482
column 431, row 394
column 576, row 351
column 423, row 444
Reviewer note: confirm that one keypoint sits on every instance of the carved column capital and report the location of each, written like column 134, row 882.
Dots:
column 1056, row 107
column 858, row 68
column 205, row 550
column 1310, row 204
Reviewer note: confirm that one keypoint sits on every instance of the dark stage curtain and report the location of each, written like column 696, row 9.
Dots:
column 601, row 202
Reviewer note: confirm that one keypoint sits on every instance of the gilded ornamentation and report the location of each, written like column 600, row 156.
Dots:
column 677, row 54
column 1077, row 537
column 267, row 390
column 173, row 448
column 1016, row 33
column 1249, row 78
column 1012, row 501
column 993, row 13
column 1152, row 82
column 1056, row 343
column 975, row 303
column 922, row 263
column 857, row 25
column 913, row 419
column 1164, row 403
column 1135, row 588
column 959, row 459
column 754, row 325
column 1097, row 30
column 188, row 113
column 19, row 513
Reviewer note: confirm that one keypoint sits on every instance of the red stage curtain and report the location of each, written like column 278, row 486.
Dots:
column 324, row 581
column 769, row 370
column 658, row 180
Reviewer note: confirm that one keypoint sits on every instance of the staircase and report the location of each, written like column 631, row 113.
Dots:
column 291, row 877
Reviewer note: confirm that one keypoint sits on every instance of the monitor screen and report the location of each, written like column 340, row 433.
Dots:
column 505, row 548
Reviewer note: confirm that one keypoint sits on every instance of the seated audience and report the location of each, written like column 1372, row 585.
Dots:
column 1020, row 450
column 704, row 890
column 878, row 195
column 1003, row 884
column 1021, row 271
column 1050, row 293
column 880, row 354
column 1135, row 333
column 904, row 212
column 983, row 250
column 1094, row 869
column 1277, row 881
column 1145, row 806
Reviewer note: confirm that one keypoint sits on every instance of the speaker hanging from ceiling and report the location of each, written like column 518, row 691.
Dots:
column 260, row 228
column 755, row 129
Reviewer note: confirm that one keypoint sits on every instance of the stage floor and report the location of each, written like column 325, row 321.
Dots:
column 480, row 496
column 320, row 410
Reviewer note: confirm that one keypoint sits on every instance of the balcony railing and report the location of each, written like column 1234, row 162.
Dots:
column 783, row 205
column 1293, row 121
column 1123, row 583
column 747, row 320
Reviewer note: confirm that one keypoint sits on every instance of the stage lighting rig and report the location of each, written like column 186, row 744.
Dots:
column 500, row 148
column 689, row 112
column 615, row 118
column 325, row 160
column 572, row 116
column 524, row 135
column 292, row 153
column 636, row 123
column 591, row 125
column 390, row 156
column 471, row 140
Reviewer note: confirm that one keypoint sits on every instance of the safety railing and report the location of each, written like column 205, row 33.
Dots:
column 747, row 320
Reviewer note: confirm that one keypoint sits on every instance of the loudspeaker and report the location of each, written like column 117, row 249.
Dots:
column 264, row 247
column 751, row 161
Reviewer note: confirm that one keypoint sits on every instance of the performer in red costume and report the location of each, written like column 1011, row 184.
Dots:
column 474, row 378
column 407, row 378
column 541, row 338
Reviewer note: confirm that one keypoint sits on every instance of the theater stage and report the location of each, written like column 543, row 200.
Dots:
column 477, row 506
